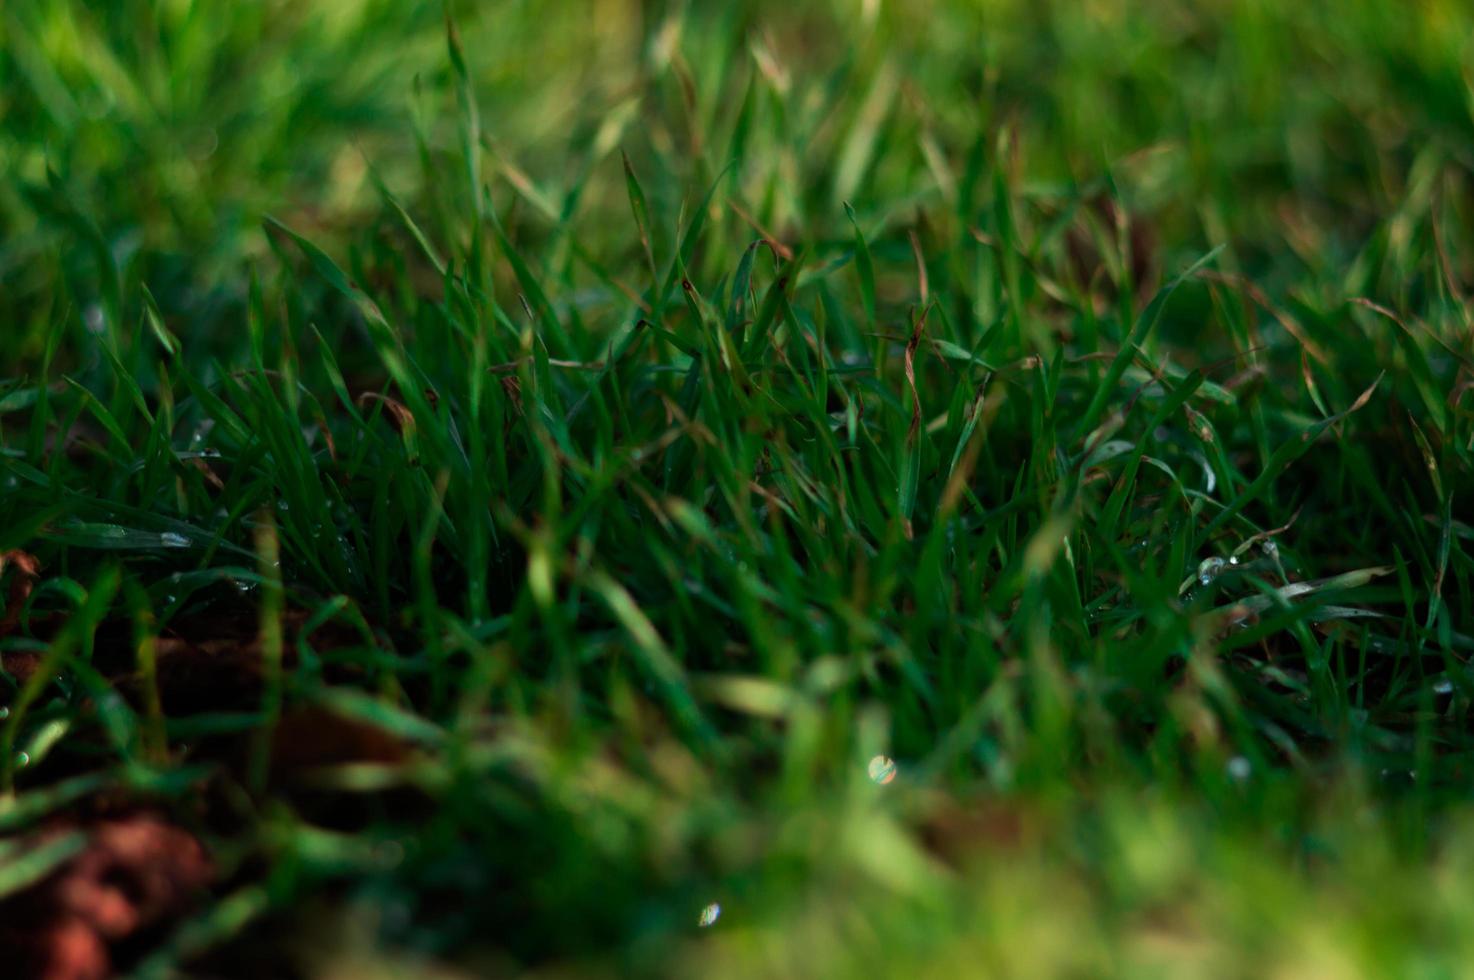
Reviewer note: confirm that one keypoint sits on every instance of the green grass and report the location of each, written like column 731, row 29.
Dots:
column 639, row 418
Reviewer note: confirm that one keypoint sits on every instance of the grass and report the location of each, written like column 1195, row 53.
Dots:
column 500, row 487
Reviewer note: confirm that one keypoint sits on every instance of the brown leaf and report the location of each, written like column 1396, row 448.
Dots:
column 959, row 832
column 135, row 872
column 311, row 737
column 24, row 570
column 67, row 949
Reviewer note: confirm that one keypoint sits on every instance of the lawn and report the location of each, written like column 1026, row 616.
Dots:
column 818, row 489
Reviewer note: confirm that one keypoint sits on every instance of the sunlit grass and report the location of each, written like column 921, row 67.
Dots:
column 956, row 489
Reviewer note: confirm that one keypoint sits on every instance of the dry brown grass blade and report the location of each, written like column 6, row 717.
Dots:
column 782, row 251
column 1259, row 299
column 403, row 418
column 911, row 346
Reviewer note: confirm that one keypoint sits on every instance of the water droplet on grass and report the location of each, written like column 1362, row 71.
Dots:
column 22, row 760
column 1443, row 686
column 1208, row 570
column 169, row 539
column 4, row 713
column 1270, row 548
column 709, row 915
column 882, row 769
column 1239, row 768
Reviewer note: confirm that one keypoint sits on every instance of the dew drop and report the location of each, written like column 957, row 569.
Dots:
column 1443, row 686
column 1270, row 548
column 882, row 770
column 1233, row 559
column 4, row 713
column 1209, row 569
column 169, row 539
column 22, row 760
column 1239, row 768
column 709, row 915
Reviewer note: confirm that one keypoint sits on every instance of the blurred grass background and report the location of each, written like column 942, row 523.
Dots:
column 1096, row 776
column 1289, row 132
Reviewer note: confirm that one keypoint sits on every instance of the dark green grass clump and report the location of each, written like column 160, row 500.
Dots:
column 498, row 570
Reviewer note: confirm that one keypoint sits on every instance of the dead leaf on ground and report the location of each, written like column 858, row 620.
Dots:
column 311, row 737
column 22, row 569
column 958, row 833
column 207, row 661
column 135, row 873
